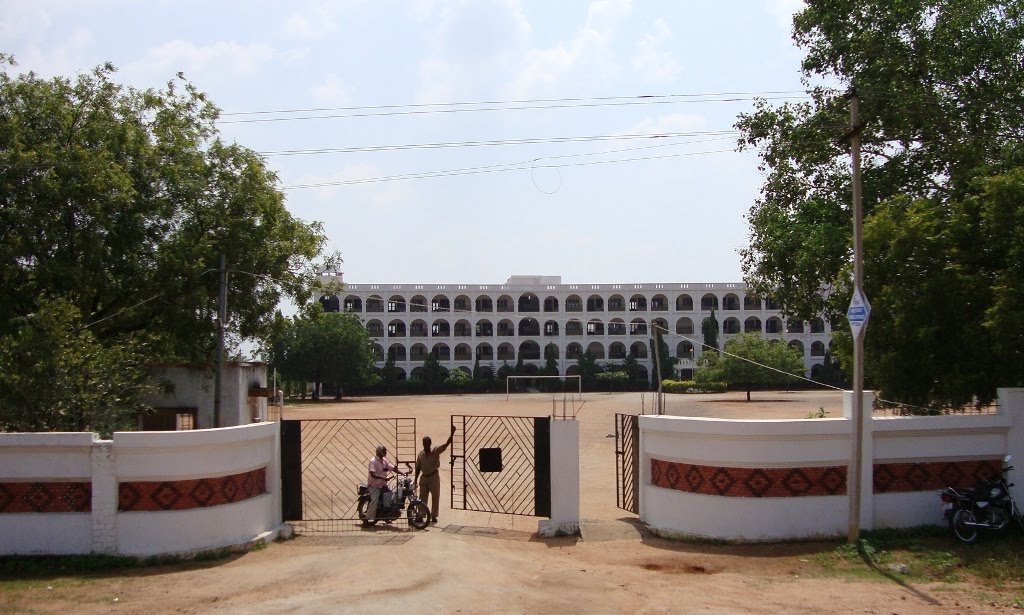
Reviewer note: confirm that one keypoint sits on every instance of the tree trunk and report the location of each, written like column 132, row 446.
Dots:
column 748, row 394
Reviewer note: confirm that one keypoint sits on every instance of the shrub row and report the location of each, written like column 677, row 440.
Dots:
column 691, row 386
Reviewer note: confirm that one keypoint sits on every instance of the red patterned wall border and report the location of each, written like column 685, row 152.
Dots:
column 148, row 496
column 39, row 497
column 932, row 476
column 749, row 482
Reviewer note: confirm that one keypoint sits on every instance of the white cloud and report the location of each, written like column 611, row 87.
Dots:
column 650, row 62
column 331, row 91
column 314, row 22
column 221, row 58
column 783, row 11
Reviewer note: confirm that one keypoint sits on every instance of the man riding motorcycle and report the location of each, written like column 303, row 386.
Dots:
column 379, row 467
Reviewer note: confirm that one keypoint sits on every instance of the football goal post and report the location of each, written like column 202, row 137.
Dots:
column 579, row 382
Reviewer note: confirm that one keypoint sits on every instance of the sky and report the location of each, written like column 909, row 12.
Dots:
column 598, row 144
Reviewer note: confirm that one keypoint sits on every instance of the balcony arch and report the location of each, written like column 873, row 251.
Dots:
column 617, row 326
column 772, row 304
column 796, row 344
column 595, row 327
column 794, row 326
column 731, row 326
column 352, row 303
column 396, row 328
column 551, row 328
column 418, row 352
column 418, row 304
column 484, row 304
column 330, row 303
column 752, row 325
column 463, row 352
column 660, row 324
column 573, row 351
column 817, row 349
column 551, row 304
column 529, row 327
column 440, row 303
column 638, row 326
column 375, row 328
column 596, row 349
column 638, row 350
column 484, row 352
column 418, row 328
column 616, row 350
column 659, row 303
column 375, row 304
column 684, row 326
column 730, row 302
column 378, row 353
column 773, row 325
column 751, row 302
column 616, row 303
column 506, row 304
column 684, row 303
column 528, row 302
column 595, row 303
column 441, row 328
column 417, row 374
column 573, row 303
column 574, row 327
column 397, row 352
column 442, row 351
column 684, row 350
column 463, row 304
column 484, row 328
column 506, row 328
column 638, row 303
column 708, row 302
column 529, row 351
column 396, row 304
column 817, row 325
column 463, row 328
column 506, row 352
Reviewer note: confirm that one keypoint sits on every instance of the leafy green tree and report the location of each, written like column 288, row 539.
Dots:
column 589, row 369
column 941, row 89
column 325, row 348
column 389, row 373
column 638, row 377
column 709, row 329
column 664, row 358
column 614, row 379
column 458, row 380
column 750, row 361
column 434, row 373
column 708, row 368
column 56, row 376
column 120, row 201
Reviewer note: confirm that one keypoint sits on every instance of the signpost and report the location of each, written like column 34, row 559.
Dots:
column 858, row 313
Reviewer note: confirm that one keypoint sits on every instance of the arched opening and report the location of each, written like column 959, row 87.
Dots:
column 796, row 344
column 528, row 302
column 638, row 303
column 396, row 304
column 817, row 349
column 617, row 327
column 572, row 370
column 730, row 302
column 574, row 327
column 595, row 327
column 817, row 325
column 375, row 304
column 573, row 303
column 551, row 328
column 638, row 350
column 484, row 328
column 463, row 328
column 529, row 351
column 418, row 352
column 752, row 325
column 506, row 328
column 617, row 350
column 440, row 328
column 506, row 352
column 462, row 304
column 573, row 351
column 616, row 303
column 551, row 350
column 506, row 304
column 484, row 304
column 463, row 353
column 794, row 326
column 353, row 304
column 440, row 303
column 731, row 326
column 484, row 352
column 659, row 303
column 638, row 326
column 751, row 302
column 684, row 303
column 684, row 350
column 417, row 374
column 396, row 328
column 595, row 303
column 773, row 325
column 375, row 328
column 442, row 352
column 709, row 302
column 378, row 353
column 418, row 304
column 418, row 328
column 529, row 327
column 660, row 324
column 330, row 303
column 397, row 352
column 551, row 304
column 596, row 349
column 684, row 326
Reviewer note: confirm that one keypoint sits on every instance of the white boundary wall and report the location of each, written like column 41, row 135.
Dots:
column 815, row 443
column 141, row 457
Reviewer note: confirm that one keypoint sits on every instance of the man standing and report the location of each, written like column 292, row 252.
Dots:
column 428, row 462
column 379, row 467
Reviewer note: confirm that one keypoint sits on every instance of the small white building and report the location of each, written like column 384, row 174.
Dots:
column 188, row 402
column 501, row 323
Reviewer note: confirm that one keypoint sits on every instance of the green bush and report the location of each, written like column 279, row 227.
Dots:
column 690, row 386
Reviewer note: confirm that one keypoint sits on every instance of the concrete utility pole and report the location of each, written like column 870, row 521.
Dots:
column 658, row 409
column 857, row 434
column 222, row 316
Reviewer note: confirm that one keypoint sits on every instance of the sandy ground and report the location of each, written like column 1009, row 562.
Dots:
column 486, row 563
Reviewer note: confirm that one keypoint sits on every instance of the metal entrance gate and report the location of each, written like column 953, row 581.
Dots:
column 627, row 461
column 502, row 464
column 323, row 460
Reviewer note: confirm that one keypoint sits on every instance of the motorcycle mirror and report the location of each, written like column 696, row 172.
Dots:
column 1008, row 459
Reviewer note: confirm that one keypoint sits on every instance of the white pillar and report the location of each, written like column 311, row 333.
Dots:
column 565, row 480
column 867, row 467
column 1011, row 404
column 104, row 497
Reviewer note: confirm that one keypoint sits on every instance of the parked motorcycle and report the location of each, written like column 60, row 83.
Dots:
column 393, row 503
column 987, row 506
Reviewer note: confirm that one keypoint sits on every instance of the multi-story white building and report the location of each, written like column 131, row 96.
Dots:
column 501, row 323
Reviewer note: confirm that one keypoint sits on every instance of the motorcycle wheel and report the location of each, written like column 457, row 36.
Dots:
column 419, row 515
column 965, row 533
column 361, row 511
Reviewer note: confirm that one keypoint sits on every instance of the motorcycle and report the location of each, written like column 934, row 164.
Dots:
column 987, row 506
column 393, row 502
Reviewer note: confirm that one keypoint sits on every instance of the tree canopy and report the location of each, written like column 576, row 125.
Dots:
column 750, row 361
column 941, row 89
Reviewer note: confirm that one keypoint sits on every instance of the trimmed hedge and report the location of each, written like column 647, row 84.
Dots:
column 691, row 386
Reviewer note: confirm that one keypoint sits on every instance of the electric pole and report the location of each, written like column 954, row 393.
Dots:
column 222, row 316
column 857, row 433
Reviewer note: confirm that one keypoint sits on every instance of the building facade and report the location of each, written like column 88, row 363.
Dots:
column 498, row 324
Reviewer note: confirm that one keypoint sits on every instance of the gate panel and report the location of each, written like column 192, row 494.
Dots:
column 501, row 464
column 627, row 461
column 332, row 456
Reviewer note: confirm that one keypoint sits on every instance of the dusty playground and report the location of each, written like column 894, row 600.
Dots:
column 487, row 563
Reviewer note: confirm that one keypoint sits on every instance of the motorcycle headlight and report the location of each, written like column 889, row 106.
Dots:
column 995, row 492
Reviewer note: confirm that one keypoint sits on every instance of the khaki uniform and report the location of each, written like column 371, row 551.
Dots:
column 428, row 465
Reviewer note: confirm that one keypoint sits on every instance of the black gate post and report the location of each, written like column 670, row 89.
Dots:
column 542, row 465
column 291, row 470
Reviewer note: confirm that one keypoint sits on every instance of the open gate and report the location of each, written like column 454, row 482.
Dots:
column 627, row 462
column 501, row 464
column 323, row 460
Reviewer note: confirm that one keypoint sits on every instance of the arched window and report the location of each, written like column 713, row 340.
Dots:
column 752, row 325
column 817, row 325
column 638, row 350
column 375, row 328
column 528, row 302
column 774, row 325
column 440, row 303
column 462, row 304
column 595, row 303
column 638, row 303
column 396, row 304
column 595, row 327
column 684, row 326
column 794, row 326
column 731, row 326
column 684, row 350
column 638, row 326
column 751, row 302
column 353, row 304
column 484, row 352
column 506, row 352
column 616, row 303
column 463, row 328
column 573, row 351
column 551, row 304
column 529, row 351
column 375, row 304
column 596, row 349
column 730, row 302
column 484, row 304
column 709, row 302
column 574, row 327
column 418, row 352
column 396, row 328
column 440, row 328
column 397, row 352
column 684, row 303
column 551, row 328
column 418, row 304
column 506, row 328
column 659, row 303
column 463, row 352
column 529, row 327
column 817, row 349
column 442, row 351
column 573, row 303
column 616, row 327
column 506, row 304
column 484, row 328
column 796, row 344
column 617, row 350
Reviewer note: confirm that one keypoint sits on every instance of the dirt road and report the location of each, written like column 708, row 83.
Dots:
column 482, row 563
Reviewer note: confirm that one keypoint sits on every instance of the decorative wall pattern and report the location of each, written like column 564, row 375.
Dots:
column 148, row 496
column 932, row 476
column 46, row 497
column 749, row 482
